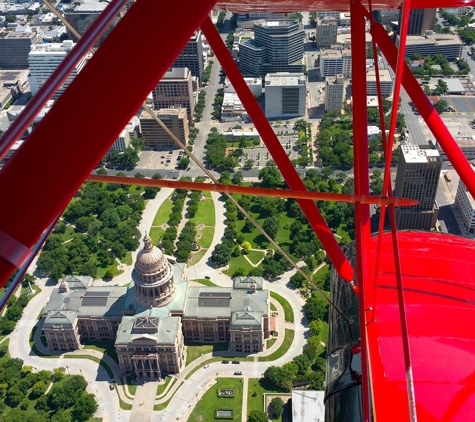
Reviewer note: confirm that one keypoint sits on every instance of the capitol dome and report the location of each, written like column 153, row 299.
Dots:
column 153, row 276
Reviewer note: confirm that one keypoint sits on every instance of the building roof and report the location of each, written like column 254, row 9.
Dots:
column 130, row 330
column 384, row 75
column 285, row 79
column 307, row 406
column 245, row 282
column 433, row 38
column 247, row 318
column 63, row 318
column 77, row 281
column 454, row 85
column 414, row 154
column 177, row 73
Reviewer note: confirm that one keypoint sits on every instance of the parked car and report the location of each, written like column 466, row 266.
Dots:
column 111, row 386
column 237, row 373
column 207, row 277
column 206, row 366
column 225, row 361
column 236, row 362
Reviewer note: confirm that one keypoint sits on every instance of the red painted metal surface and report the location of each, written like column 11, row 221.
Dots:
column 439, row 287
column 61, row 152
column 361, row 163
column 277, row 152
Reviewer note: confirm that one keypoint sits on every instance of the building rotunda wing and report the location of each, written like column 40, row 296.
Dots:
column 151, row 264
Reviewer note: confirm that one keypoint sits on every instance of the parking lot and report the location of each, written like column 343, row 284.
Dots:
column 160, row 160
column 461, row 103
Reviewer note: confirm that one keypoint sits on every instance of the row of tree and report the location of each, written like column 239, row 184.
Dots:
column 207, row 73
column 169, row 237
column 218, row 103
column 127, row 159
column 200, row 106
column 215, row 154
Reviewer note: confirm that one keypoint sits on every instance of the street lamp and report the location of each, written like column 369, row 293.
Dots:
column 67, row 367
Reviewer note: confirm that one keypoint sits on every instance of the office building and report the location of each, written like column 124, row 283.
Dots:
column 334, row 93
column 285, row 95
column 247, row 20
column 330, row 13
column 83, row 13
column 335, row 62
column 417, row 178
column 254, row 85
column 175, row 90
column 277, row 47
column 430, row 44
column 326, row 31
column 149, row 320
column 121, row 143
column 466, row 206
column 155, row 137
column 420, row 21
column 15, row 47
column 232, row 109
column 192, row 55
column 43, row 61
column 385, row 80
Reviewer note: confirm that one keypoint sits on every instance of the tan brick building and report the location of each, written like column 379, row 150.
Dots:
column 155, row 137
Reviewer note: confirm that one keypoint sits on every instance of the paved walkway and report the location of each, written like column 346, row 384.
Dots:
column 144, row 401
column 245, row 384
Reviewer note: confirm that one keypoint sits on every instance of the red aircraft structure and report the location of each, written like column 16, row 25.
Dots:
column 415, row 291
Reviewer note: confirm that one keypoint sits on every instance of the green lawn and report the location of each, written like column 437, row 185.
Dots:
column 324, row 331
column 259, row 386
column 270, row 342
column 128, row 259
column 103, row 347
column 195, row 350
column 196, row 257
column 238, row 262
column 93, row 358
column 273, row 307
column 161, row 388
column 218, row 359
column 68, row 234
column 288, row 311
column 210, row 402
column 206, row 238
column 255, row 256
column 156, row 234
column 282, row 350
column 163, row 213
column 207, row 193
column 132, row 388
column 205, row 282
column 205, row 214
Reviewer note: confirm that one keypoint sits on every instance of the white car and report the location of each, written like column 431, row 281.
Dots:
column 206, row 367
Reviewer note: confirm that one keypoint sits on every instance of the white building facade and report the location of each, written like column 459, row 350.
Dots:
column 335, row 62
column 386, row 83
column 43, row 61
column 466, row 206
column 285, row 94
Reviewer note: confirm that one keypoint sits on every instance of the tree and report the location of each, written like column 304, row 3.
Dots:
column 14, row 397
column 38, row 389
column 441, row 106
column 442, row 85
column 257, row 416
column 427, row 89
column 102, row 171
column 184, row 163
column 248, row 164
column 271, row 226
column 138, row 144
column 275, row 375
column 237, row 178
column 270, row 177
column 221, row 254
column 246, row 247
column 248, row 226
column 315, row 327
column 376, row 183
column 84, row 408
column 276, row 408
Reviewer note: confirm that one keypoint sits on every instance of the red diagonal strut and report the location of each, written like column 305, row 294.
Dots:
column 63, row 150
column 309, row 208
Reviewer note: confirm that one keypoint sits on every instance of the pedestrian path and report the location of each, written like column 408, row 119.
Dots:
column 245, row 383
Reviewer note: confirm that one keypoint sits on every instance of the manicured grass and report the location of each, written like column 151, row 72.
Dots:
column 259, row 386
column 103, row 347
column 162, row 406
column 123, row 405
column 288, row 311
column 156, row 234
column 205, row 282
column 206, row 237
column 163, row 213
column 162, row 387
column 205, row 214
column 255, row 256
column 270, row 342
column 132, row 388
column 68, row 234
column 206, row 193
column 128, row 258
column 238, row 262
column 196, row 257
column 219, row 359
column 210, row 402
column 195, row 350
column 324, row 331
column 95, row 359
column 282, row 350
column 273, row 307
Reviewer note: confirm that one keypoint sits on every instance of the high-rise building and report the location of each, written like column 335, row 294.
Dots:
column 43, row 61
column 466, row 206
column 277, row 47
column 417, row 178
column 430, row 44
column 155, row 137
column 420, row 21
column 335, row 62
column 15, row 47
column 175, row 90
column 121, row 143
column 326, row 31
column 192, row 55
column 385, row 80
column 285, row 94
column 82, row 14
column 334, row 93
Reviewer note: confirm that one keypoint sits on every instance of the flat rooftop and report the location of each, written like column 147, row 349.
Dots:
column 437, row 39
column 284, row 79
column 280, row 22
column 384, row 75
column 413, row 154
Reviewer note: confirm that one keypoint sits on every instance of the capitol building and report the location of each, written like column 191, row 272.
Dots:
column 150, row 319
